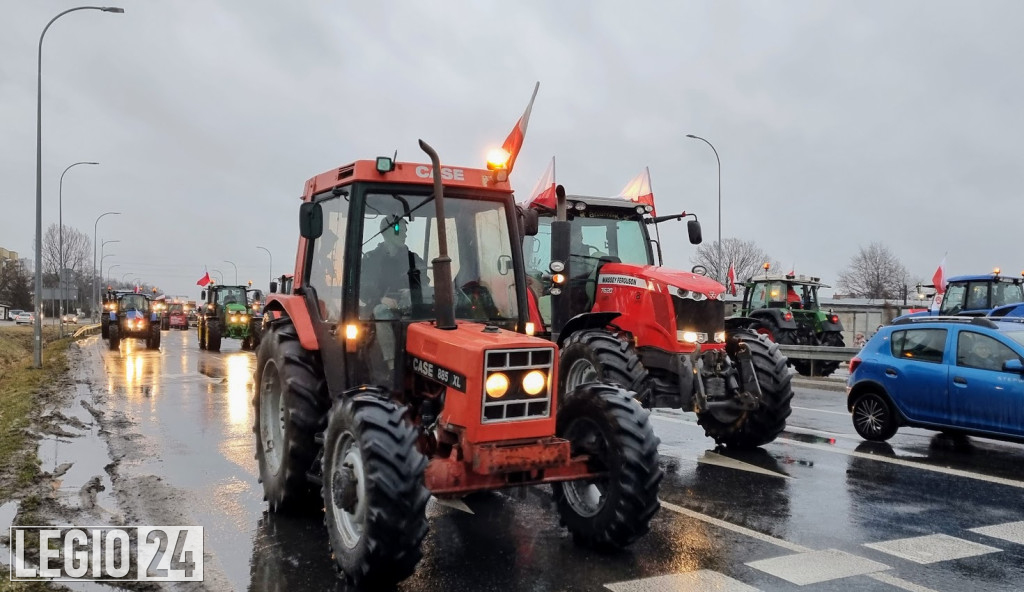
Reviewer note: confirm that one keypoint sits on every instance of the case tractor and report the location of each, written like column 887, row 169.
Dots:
column 228, row 312
column 380, row 386
column 785, row 309
column 132, row 316
column 619, row 317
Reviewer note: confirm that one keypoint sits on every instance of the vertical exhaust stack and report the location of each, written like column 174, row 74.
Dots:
column 560, row 246
column 444, row 289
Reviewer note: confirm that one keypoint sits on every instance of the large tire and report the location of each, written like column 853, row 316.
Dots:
column 762, row 425
column 105, row 328
column 596, row 355
column 213, row 337
column 374, row 497
column 604, row 422
column 873, row 417
column 290, row 405
column 154, row 338
column 199, row 333
column 826, row 367
column 114, row 335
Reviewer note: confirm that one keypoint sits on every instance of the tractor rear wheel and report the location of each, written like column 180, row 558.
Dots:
column 104, row 328
column 826, row 367
column 114, row 335
column 154, row 338
column 596, row 355
column 213, row 337
column 762, row 425
column 605, row 423
column 290, row 406
column 374, row 497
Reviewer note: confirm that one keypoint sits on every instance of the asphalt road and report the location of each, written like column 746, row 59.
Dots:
column 170, row 435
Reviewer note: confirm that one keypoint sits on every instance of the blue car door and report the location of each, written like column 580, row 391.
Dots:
column 982, row 395
column 917, row 377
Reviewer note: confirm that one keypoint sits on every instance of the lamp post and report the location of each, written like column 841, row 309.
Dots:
column 124, row 278
column 103, row 279
column 221, row 274
column 60, row 241
column 269, row 254
column 110, row 272
column 236, row 270
column 95, row 292
column 38, row 336
column 102, row 256
column 719, row 198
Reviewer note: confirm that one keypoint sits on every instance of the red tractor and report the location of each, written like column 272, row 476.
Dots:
column 379, row 385
column 617, row 316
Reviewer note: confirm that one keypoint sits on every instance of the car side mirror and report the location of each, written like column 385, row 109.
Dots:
column 273, row 287
column 529, row 221
column 203, row 295
column 693, row 229
column 1014, row 366
column 257, row 296
column 311, row 220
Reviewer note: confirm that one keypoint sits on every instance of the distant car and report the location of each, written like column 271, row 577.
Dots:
column 952, row 374
column 25, row 318
column 14, row 312
column 71, row 319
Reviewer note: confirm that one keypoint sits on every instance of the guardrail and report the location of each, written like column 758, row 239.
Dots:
column 87, row 330
column 819, row 352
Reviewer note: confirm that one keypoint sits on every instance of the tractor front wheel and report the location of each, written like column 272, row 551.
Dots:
column 154, row 338
column 114, row 335
column 104, row 329
column 615, row 508
column 213, row 337
column 289, row 405
column 596, row 355
column 202, row 338
column 763, row 424
column 374, row 496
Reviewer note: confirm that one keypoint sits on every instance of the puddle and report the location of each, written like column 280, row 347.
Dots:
column 7, row 512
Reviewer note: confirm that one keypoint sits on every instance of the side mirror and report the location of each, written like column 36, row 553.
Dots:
column 693, row 229
column 273, row 287
column 504, row 264
column 257, row 296
column 311, row 220
column 529, row 220
column 1014, row 366
column 203, row 295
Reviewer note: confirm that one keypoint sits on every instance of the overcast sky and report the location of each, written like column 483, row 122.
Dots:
column 837, row 123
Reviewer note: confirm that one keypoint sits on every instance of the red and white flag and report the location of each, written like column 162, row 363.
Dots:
column 731, row 277
column 543, row 193
column 639, row 190
column 204, row 280
column 514, row 141
column 939, row 277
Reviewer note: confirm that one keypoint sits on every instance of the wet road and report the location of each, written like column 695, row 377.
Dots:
column 818, row 509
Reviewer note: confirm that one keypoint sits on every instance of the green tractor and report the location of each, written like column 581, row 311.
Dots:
column 231, row 312
column 785, row 308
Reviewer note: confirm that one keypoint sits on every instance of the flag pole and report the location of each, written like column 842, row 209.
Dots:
column 657, row 232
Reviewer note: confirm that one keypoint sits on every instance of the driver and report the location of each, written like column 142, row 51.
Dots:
column 390, row 268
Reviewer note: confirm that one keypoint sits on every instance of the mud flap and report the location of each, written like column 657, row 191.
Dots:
column 748, row 377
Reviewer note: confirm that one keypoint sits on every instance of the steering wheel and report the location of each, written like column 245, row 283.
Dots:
column 699, row 269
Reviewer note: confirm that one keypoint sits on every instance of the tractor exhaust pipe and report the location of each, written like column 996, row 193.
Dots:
column 560, row 246
column 444, row 289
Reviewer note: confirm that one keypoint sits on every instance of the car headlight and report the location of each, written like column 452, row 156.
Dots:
column 497, row 385
column 534, row 382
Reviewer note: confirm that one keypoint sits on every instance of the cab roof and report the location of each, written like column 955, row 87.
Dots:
column 410, row 173
column 791, row 279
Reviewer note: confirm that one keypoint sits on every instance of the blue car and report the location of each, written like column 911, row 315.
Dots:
column 952, row 374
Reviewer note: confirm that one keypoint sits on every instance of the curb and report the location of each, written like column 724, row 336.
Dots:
column 822, row 384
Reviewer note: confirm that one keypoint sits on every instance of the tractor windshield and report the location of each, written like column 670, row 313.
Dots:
column 231, row 295
column 400, row 241
column 592, row 238
column 979, row 295
column 136, row 302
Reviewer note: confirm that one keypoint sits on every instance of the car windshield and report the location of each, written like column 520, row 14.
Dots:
column 1017, row 336
column 400, row 241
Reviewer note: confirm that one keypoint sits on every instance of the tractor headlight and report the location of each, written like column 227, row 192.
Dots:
column 243, row 318
column 534, row 382
column 687, row 336
column 720, row 337
column 497, row 385
column 234, row 319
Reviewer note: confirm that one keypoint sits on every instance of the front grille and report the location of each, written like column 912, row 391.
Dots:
column 516, row 404
column 702, row 316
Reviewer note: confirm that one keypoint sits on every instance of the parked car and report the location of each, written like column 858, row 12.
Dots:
column 952, row 374
column 70, row 318
column 25, row 318
column 13, row 313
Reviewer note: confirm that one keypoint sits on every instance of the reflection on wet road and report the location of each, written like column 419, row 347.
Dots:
column 818, row 509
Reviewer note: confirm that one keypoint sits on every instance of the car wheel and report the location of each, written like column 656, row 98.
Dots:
column 874, row 418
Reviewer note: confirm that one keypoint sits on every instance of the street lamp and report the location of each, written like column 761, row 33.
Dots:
column 236, row 270
column 60, row 232
column 102, row 257
column 719, row 198
column 38, row 337
column 124, row 278
column 269, row 254
column 95, row 292
column 110, row 277
column 218, row 272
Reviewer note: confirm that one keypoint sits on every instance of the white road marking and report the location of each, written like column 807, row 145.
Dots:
column 699, row 580
column 713, row 458
column 736, row 528
column 880, row 458
column 1011, row 531
column 932, row 548
column 818, row 566
column 846, row 413
column 892, row 580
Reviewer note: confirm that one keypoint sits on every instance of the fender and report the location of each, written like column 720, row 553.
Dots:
column 294, row 307
column 113, row 316
column 587, row 320
column 739, row 323
column 1008, row 310
column 776, row 315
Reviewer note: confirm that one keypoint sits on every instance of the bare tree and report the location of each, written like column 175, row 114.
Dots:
column 15, row 284
column 77, row 249
column 874, row 272
column 745, row 256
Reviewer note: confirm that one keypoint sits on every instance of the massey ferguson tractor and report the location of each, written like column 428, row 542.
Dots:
column 379, row 385
column 133, row 316
column 619, row 317
column 785, row 309
column 228, row 313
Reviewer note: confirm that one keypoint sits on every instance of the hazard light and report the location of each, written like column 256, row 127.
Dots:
column 498, row 159
column 834, row 319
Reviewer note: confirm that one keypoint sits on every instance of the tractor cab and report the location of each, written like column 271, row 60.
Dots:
column 227, row 314
column 978, row 295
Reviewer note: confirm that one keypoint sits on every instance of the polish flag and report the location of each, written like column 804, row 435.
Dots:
column 732, row 279
column 939, row 277
column 204, row 280
column 543, row 193
column 639, row 190
column 514, row 141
